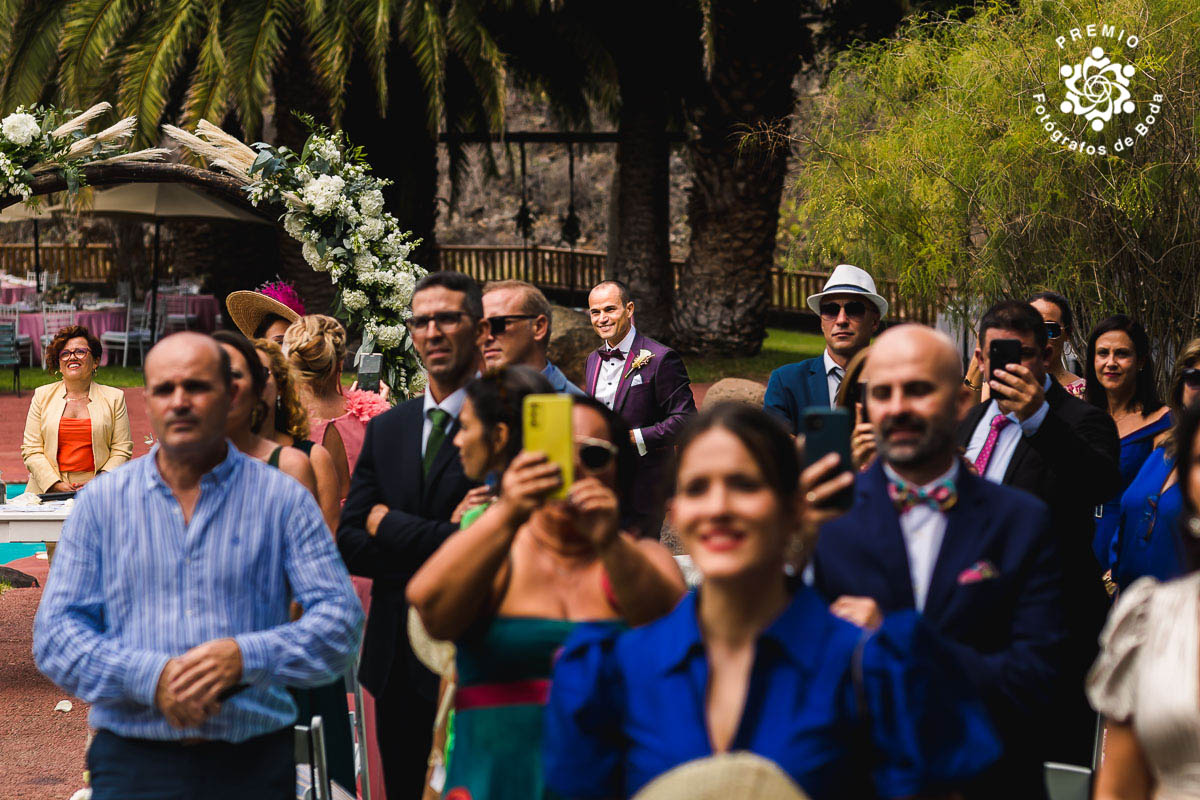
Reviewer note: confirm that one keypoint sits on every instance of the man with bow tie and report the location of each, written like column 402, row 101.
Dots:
column 646, row 383
column 976, row 559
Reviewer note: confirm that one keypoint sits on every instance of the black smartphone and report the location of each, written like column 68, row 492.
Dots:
column 369, row 367
column 1001, row 354
column 827, row 430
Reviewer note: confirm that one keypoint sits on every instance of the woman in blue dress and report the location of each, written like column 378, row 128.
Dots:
column 752, row 663
column 1146, row 542
column 1120, row 380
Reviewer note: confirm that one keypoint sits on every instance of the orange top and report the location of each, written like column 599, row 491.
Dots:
column 75, row 445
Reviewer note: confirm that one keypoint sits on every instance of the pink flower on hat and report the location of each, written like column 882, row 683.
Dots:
column 283, row 292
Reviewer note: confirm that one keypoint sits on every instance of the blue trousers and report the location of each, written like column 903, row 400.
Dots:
column 142, row 769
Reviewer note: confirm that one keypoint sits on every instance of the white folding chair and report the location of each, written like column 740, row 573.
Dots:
column 54, row 318
column 1071, row 781
column 12, row 313
column 137, row 332
column 312, row 770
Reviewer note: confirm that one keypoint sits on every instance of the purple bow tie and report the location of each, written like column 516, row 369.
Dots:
column 606, row 354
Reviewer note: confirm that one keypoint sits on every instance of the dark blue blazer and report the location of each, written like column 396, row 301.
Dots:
column 995, row 598
column 389, row 472
column 794, row 387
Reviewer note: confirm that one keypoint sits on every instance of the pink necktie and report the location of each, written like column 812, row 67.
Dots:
column 999, row 423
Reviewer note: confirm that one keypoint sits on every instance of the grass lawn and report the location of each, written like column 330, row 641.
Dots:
column 780, row 347
column 33, row 377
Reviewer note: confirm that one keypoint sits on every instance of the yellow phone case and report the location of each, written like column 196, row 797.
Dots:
column 547, row 429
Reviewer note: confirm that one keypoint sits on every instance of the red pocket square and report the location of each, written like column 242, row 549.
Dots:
column 979, row 571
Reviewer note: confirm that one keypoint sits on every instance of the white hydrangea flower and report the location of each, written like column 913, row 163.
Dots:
column 371, row 228
column 20, row 128
column 416, row 384
column 365, row 262
column 323, row 193
column 328, row 150
column 309, row 251
column 371, row 203
column 389, row 337
column 354, row 300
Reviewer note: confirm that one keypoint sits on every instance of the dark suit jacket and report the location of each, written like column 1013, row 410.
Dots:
column 660, row 405
column 795, row 387
column 389, row 472
column 1007, row 630
column 1073, row 464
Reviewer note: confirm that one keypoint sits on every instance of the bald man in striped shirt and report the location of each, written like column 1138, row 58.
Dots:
column 167, row 607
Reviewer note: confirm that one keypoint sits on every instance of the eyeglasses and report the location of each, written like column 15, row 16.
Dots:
column 1191, row 377
column 595, row 454
column 446, row 321
column 855, row 309
column 498, row 325
column 1053, row 330
column 79, row 353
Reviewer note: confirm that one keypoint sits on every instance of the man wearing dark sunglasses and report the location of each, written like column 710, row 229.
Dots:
column 850, row 311
column 518, row 317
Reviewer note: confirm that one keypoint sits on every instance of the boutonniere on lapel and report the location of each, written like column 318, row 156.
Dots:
column 642, row 359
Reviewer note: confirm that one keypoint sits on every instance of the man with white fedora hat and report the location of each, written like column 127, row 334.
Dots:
column 850, row 311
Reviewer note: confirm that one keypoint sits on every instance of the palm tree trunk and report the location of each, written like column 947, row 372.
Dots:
column 733, row 205
column 642, row 247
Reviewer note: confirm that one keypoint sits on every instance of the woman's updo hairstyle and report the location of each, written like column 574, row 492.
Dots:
column 316, row 346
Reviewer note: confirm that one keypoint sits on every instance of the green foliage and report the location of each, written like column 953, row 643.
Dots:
column 924, row 160
column 779, row 348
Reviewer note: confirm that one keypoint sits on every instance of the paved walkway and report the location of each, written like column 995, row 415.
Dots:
column 41, row 750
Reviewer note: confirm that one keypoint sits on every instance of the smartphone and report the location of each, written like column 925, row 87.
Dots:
column 1002, row 353
column 369, row 367
column 827, row 430
column 546, row 426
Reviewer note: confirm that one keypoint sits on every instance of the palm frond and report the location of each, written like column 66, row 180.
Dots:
column 331, row 44
column 471, row 43
column 91, row 29
column 32, row 62
column 153, row 62
column 422, row 29
column 373, row 24
column 208, row 93
column 256, row 39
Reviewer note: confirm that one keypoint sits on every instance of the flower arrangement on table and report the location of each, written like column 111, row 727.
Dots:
column 335, row 210
column 37, row 140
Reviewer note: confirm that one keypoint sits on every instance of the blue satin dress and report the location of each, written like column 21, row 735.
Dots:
column 1135, row 449
column 1147, row 542
column 626, row 707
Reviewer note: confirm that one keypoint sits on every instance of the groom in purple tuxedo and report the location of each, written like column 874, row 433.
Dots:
column 646, row 383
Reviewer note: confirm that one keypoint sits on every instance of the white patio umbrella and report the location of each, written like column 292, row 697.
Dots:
column 165, row 201
column 19, row 212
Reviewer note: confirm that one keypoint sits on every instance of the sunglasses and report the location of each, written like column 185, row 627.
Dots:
column 855, row 309
column 498, row 325
column 595, row 454
column 1191, row 378
column 1053, row 330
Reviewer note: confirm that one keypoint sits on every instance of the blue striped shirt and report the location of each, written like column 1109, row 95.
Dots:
column 132, row 586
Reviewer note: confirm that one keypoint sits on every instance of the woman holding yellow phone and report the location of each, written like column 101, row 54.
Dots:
column 510, row 587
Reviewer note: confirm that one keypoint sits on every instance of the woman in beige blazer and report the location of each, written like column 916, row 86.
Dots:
column 56, row 419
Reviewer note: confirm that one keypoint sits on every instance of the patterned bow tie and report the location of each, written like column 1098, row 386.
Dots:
column 606, row 354
column 941, row 496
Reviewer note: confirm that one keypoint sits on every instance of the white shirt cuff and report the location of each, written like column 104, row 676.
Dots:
column 1030, row 426
column 641, row 443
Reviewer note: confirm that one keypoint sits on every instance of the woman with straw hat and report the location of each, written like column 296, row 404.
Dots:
column 267, row 313
column 751, row 663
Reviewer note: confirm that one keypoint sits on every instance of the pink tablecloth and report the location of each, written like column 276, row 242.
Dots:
column 95, row 321
column 10, row 294
column 204, row 306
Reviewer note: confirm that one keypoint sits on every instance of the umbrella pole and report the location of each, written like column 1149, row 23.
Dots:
column 154, row 290
column 37, row 261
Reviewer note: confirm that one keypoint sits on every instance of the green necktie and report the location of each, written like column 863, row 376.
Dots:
column 441, row 421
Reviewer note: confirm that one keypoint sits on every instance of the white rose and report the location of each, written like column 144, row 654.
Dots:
column 294, row 225
column 20, row 128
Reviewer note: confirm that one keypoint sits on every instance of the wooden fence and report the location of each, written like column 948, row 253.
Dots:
column 573, row 272
column 88, row 263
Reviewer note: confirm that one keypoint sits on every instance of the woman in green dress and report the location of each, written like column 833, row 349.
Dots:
column 508, row 588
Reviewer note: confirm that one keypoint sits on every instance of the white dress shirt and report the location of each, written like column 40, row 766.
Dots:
column 609, row 378
column 452, row 405
column 923, row 528
column 1006, row 444
column 834, row 373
